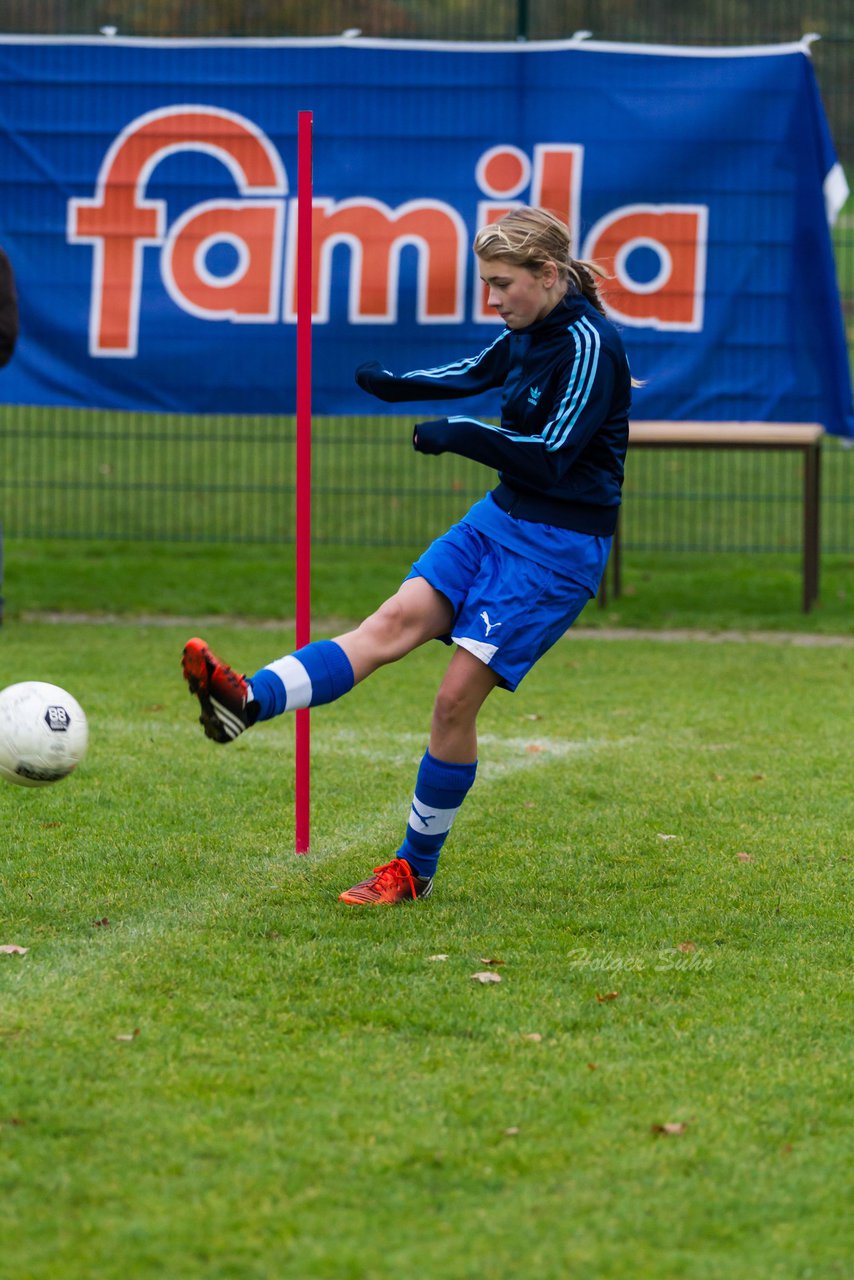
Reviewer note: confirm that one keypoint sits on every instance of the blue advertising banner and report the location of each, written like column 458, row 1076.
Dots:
column 148, row 205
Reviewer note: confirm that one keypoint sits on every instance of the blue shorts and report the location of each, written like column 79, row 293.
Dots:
column 508, row 610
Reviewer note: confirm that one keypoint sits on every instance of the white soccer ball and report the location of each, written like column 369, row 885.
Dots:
column 43, row 733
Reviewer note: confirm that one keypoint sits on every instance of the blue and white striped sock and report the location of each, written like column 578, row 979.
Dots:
column 319, row 672
column 440, row 790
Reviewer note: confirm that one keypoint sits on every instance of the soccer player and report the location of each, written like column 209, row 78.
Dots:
column 8, row 311
column 507, row 581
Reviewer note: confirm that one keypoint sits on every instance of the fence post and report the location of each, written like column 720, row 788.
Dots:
column 521, row 19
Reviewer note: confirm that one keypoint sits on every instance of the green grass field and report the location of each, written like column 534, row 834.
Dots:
column 255, row 581
column 211, row 1069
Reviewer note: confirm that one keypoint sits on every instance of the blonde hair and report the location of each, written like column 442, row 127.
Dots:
column 531, row 238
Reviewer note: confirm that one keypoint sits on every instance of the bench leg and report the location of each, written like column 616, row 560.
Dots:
column 614, row 564
column 812, row 509
column 617, row 562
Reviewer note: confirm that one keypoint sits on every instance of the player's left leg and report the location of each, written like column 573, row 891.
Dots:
column 467, row 684
column 514, row 610
column 445, row 776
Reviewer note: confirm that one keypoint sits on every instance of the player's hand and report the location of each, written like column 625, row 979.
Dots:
column 429, row 437
column 372, row 377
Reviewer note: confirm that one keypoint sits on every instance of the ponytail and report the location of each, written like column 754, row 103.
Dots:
column 583, row 276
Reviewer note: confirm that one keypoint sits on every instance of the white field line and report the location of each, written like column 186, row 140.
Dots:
column 499, row 757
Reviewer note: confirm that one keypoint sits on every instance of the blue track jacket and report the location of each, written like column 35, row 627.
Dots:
column 566, row 394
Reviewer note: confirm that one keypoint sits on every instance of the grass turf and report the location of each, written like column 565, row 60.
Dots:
column 304, row 1092
column 660, row 590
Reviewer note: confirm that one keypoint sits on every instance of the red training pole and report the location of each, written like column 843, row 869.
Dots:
column 302, row 726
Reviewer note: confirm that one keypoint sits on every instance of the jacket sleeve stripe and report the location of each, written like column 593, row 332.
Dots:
column 460, row 367
column 579, row 386
column 499, row 431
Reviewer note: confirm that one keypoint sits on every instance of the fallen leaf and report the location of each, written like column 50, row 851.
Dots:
column 103, row 923
column 687, row 947
column 593, row 1066
column 669, row 1130
column 12, row 949
column 609, row 995
column 757, row 777
column 662, row 836
column 486, row 977
column 441, row 956
column 493, row 960
column 744, row 857
column 719, row 777
column 533, row 747
column 126, row 1039
column 535, row 1036
column 47, row 825
column 512, row 1132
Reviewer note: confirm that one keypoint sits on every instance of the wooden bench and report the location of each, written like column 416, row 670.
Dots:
column 803, row 438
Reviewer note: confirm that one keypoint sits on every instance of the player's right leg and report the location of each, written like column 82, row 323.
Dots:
column 223, row 694
column 417, row 612
column 319, row 672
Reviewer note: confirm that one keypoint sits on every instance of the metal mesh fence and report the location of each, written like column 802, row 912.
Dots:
column 76, row 473
column 138, row 477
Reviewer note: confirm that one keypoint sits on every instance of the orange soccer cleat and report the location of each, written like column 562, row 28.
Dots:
column 394, row 882
column 222, row 693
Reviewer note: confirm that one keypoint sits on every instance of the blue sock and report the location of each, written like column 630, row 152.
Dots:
column 440, row 790
column 319, row 672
